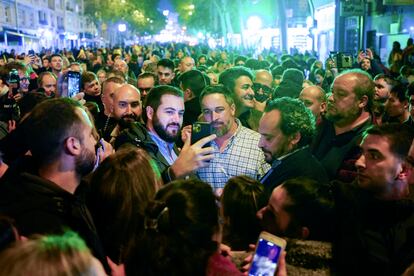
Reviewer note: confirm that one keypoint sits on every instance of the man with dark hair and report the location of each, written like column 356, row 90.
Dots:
column 145, row 82
column 397, row 105
column 235, row 148
column 43, row 193
column 299, row 208
column 374, row 216
column 92, row 88
column 287, row 128
column 163, row 117
column 239, row 81
column 192, row 83
column 56, row 64
column 165, row 69
column 348, row 115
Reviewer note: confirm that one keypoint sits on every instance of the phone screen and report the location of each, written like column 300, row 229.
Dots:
column 265, row 259
column 73, row 83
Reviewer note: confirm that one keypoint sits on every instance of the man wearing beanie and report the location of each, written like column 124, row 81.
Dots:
column 291, row 84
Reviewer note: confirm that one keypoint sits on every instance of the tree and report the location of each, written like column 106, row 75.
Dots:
column 141, row 16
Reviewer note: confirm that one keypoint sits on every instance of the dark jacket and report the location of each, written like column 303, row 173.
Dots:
column 192, row 111
column 338, row 153
column 137, row 135
column 373, row 237
column 39, row 206
column 299, row 164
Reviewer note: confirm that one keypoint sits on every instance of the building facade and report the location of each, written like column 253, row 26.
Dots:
column 33, row 24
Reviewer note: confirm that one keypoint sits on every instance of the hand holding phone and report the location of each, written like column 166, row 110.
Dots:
column 200, row 130
column 269, row 248
column 73, row 83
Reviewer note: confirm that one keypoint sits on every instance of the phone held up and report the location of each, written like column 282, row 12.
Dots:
column 199, row 131
column 73, row 83
column 268, row 251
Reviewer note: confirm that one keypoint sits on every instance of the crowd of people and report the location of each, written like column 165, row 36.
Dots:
column 111, row 181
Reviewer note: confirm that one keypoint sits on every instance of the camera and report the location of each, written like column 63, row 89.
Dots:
column 14, row 81
column 342, row 60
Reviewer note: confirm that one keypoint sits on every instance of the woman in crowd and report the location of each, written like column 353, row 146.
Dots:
column 120, row 190
column 182, row 234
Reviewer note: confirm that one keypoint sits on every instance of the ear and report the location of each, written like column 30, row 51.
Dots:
column 150, row 112
column 406, row 104
column 363, row 102
column 73, row 146
column 295, row 138
column 233, row 109
column 323, row 107
column 304, row 233
column 188, row 94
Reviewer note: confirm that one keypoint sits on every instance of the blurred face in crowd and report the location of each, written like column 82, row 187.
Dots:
column 165, row 75
column 45, row 63
column 378, row 167
column 274, row 218
column 101, row 77
column 244, row 93
column 127, row 104
column 186, row 64
column 86, row 160
column 219, row 113
column 49, row 85
column 107, row 95
column 213, row 78
column 273, row 142
column 382, row 89
column 366, row 64
column 343, row 104
column 121, row 66
column 56, row 63
column 313, row 99
column 394, row 107
column 168, row 118
column 93, row 88
column 411, row 106
column 144, row 85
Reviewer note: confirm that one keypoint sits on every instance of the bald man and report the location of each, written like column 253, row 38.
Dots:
column 314, row 98
column 127, row 108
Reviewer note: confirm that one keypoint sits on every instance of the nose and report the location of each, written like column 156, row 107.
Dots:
column 260, row 213
column 260, row 145
column 250, row 91
column 330, row 97
column 360, row 163
column 214, row 116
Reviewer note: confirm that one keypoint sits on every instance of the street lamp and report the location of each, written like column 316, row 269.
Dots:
column 121, row 27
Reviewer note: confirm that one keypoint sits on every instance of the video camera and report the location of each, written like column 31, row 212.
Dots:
column 342, row 60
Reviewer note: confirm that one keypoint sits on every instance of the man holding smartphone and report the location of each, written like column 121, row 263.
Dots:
column 163, row 117
column 235, row 148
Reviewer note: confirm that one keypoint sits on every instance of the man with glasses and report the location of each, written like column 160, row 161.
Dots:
column 145, row 82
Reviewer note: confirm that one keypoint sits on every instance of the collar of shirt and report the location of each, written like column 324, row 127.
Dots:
column 279, row 160
column 166, row 149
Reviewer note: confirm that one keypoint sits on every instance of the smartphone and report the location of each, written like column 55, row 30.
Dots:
column 73, row 83
column 14, row 81
column 199, row 131
column 268, row 250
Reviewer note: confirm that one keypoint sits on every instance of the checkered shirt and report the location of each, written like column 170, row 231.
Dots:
column 242, row 156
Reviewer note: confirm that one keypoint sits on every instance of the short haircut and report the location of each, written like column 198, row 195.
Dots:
column 88, row 77
column 167, row 63
column 153, row 98
column 399, row 137
column 48, row 255
column 310, row 205
column 193, row 80
column 218, row 89
column 295, row 117
column 48, row 125
column 55, row 55
column 146, row 75
column 387, row 78
column 364, row 85
column 42, row 75
column 229, row 76
column 400, row 92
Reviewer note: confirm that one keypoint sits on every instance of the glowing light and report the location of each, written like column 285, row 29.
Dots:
column 122, row 27
column 200, row 35
column 190, row 13
column 192, row 7
column 165, row 12
column 254, row 23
